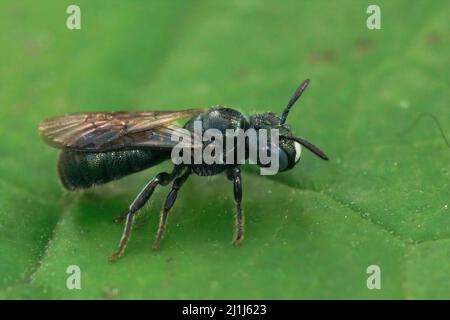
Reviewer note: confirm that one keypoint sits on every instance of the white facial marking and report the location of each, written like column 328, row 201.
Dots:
column 298, row 151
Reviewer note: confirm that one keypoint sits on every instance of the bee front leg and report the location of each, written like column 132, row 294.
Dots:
column 163, row 179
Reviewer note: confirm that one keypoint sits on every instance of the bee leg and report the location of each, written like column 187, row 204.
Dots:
column 163, row 179
column 170, row 200
column 237, row 190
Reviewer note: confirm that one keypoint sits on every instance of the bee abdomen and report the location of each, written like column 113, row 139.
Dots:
column 85, row 169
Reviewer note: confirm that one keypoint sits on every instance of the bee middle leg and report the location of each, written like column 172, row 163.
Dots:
column 170, row 200
column 162, row 178
column 235, row 176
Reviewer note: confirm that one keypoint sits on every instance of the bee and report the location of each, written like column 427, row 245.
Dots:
column 98, row 147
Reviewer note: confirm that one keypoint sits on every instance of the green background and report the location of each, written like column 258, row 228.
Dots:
column 311, row 232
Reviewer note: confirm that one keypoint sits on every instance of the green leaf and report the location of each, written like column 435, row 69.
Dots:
column 311, row 232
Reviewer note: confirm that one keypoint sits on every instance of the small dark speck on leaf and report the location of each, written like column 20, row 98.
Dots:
column 110, row 293
column 362, row 46
column 169, row 259
column 241, row 73
column 433, row 38
column 38, row 43
column 323, row 57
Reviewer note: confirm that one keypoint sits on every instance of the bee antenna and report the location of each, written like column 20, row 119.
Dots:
column 308, row 145
column 297, row 94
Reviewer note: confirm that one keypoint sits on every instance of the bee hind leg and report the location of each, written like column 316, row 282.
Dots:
column 170, row 200
column 163, row 179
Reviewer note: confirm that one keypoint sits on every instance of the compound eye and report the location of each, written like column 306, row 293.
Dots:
column 298, row 151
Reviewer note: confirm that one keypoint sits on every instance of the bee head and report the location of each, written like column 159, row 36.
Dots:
column 289, row 147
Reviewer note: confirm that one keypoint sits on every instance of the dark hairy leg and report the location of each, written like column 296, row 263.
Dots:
column 163, row 179
column 170, row 200
column 235, row 176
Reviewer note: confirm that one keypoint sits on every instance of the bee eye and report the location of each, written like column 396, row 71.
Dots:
column 298, row 151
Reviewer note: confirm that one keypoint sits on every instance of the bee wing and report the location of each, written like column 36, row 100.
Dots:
column 107, row 131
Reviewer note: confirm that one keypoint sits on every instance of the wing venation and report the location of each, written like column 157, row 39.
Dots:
column 106, row 131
